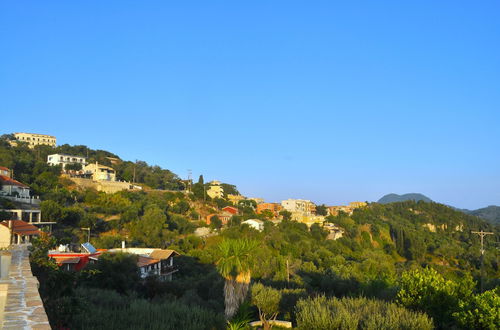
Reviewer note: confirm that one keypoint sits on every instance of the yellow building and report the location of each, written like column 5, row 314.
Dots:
column 235, row 198
column 100, row 172
column 215, row 190
column 34, row 139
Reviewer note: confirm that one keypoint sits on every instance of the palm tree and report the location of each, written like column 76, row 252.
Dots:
column 234, row 265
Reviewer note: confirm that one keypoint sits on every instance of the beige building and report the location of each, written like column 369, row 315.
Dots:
column 303, row 206
column 334, row 210
column 34, row 139
column 235, row 198
column 215, row 189
column 100, row 172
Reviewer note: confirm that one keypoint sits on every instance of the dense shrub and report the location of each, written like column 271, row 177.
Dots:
column 323, row 313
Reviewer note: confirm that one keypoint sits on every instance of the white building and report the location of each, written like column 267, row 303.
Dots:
column 255, row 224
column 34, row 139
column 63, row 159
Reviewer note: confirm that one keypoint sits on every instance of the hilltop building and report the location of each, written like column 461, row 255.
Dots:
column 34, row 139
column 215, row 189
column 231, row 209
column 334, row 210
column 63, row 159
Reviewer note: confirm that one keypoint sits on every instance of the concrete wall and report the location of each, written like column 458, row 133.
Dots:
column 20, row 304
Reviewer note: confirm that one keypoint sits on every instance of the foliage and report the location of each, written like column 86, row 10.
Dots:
column 267, row 300
column 481, row 311
column 356, row 313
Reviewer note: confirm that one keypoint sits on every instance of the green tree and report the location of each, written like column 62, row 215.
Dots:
column 287, row 215
column 234, row 264
column 481, row 311
column 150, row 227
column 215, row 222
column 321, row 210
column 267, row 300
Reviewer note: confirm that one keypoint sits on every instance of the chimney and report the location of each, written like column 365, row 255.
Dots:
column 123, row 244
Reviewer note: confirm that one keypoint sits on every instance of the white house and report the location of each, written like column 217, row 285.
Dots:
column 150, row 261
column 63, row 159
column 255, row 224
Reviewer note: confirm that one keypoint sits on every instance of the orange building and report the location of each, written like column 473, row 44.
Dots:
column 273, row 207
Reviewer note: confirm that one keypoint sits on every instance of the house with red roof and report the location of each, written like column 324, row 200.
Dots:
column 76, row 258
column 16, row 232
column 231, row 209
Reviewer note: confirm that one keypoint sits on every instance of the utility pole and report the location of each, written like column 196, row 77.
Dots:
column 89, row 233
column 482, row 234
column 287, row 273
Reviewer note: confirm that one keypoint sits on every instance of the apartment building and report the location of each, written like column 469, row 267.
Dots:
column 63, row 159
column 273, row 207
column 299, row 206
column 34, row 139
column 100, row 172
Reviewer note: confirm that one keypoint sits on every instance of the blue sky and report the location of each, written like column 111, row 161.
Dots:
column 332, row 102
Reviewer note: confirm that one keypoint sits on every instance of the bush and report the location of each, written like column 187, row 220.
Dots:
column 356, row 313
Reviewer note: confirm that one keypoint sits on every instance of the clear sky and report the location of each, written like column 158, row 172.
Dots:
column 323, row 100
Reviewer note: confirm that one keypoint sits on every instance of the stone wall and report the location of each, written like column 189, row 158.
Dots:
column 19, row 296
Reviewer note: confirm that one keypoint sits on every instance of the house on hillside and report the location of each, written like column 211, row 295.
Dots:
column 153, row 262
column 215, row 189
column 14, row 190
column 255, row 224
column 273, row 207
column 16, row 232
column 100, row 172
column 63, row 160
column 34, row 139
column 223, row 216
column 231, row 209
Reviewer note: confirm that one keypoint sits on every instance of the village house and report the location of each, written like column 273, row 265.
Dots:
column 100, row 172
column 16, row 232
column 256, row 224
column 215, row 189
column 235, row 198
column 63, row 160
column 231, row 209
column 273, row 207
column 223, row 216
column 152, row 262
column 299, row 206
column 75, row 258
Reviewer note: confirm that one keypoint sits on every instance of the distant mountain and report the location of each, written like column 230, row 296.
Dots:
column 392, row 198
column 490, row 213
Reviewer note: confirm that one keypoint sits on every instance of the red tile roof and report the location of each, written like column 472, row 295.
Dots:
column 4, row 168
column 20, row 227
column 11, row 182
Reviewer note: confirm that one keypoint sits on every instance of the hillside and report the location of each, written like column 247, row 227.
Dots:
column 392, row 198
column 490, row 213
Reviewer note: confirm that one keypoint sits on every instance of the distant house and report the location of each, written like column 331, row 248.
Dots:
column 230, row 209
column 255, row 224
column 63, row 159
column 16, row 232
column 223, row 216
column 156, row 262
column 4, row 171
column 100, row 172
column 273, row 207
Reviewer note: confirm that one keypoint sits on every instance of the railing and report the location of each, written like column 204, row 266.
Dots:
column 27, row 200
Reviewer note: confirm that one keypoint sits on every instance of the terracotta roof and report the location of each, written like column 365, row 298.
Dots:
column 145, row 261
column 162, row 254
column 11, row 182
column 4, row 168
column 20, row 227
